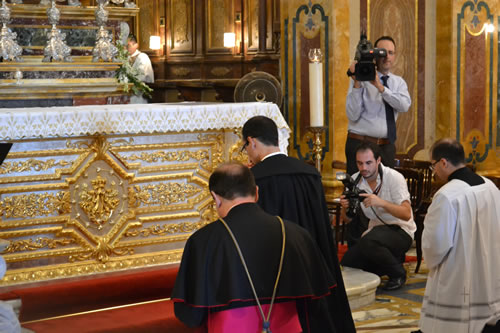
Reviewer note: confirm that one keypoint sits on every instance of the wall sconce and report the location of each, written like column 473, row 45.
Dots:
column 154, row 42
column 488, row 27
column 229, row 39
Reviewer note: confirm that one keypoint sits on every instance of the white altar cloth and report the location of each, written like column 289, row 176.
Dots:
column 53, row 122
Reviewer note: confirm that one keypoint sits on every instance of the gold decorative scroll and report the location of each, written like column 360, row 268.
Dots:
column 31, row 165
column 174, row 156
column 158, row 230
column 163, row 194
column 39, row 243
column 32, row 205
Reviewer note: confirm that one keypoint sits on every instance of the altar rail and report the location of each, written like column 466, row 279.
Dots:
column 93, row 189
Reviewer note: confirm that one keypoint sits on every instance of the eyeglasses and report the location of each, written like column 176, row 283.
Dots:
column 244, row 146
column 433, row 165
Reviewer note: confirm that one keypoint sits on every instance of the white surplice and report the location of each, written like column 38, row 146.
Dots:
column 142, row 64
column 461, row 247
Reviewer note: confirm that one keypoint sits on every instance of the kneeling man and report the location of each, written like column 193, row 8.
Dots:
column 250, row 271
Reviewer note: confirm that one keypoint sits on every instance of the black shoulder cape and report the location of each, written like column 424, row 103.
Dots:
column 293, row 189
column 4, row 150
column 212, row 278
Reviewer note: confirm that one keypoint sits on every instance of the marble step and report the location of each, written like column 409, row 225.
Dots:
column 360, row 287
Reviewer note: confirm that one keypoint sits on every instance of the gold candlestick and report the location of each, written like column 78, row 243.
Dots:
column 317, row 144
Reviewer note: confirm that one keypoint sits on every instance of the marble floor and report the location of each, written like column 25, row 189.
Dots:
column 395, row 311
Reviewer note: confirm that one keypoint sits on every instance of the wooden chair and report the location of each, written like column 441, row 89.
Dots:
column 421, row 210
column 425, row 168
column 416, row 187
column 334, row 210
column 338, row 224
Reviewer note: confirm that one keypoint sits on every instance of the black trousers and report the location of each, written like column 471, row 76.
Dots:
column 381, row 251
column 388, row 153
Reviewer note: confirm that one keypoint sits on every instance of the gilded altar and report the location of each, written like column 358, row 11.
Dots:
column 88, row 190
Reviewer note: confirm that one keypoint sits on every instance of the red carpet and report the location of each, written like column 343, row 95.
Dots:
column 343, row 248
column 148, row 290
column 160, row 318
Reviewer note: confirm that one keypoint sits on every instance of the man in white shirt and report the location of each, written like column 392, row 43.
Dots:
column 461, row 248
column 372, row 108
column 386, row 203
column 140, row 62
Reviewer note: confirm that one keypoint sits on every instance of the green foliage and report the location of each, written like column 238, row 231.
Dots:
column 127, row 74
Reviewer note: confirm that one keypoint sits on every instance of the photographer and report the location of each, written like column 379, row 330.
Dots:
column 372, row 107
column 382, row 247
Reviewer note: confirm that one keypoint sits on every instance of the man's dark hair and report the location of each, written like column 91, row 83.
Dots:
column 389, row 38
column 449, row 149
column 132, row 38
column 369, row 146
column 262, row 128
column 232, row 180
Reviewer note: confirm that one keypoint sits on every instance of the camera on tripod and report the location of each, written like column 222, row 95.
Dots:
column 365, row 69
column 351, row 193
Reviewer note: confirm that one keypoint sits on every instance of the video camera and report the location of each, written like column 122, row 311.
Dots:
column 365, row 69
column 351, row 193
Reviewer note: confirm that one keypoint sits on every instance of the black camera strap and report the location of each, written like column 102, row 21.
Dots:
column 377, row 190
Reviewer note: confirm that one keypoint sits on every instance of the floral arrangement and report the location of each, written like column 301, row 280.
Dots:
column 127, row 74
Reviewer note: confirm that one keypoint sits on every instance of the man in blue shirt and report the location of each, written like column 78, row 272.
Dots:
column 372, row 108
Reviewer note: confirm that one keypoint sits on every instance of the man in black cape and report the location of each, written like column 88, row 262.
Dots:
column 212, row 279
column 292, row 189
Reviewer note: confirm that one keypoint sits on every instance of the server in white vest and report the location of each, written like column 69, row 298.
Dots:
column 140, row 62
column 461, row 248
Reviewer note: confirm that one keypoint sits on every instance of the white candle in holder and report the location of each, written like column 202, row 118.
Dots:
column 316, row 88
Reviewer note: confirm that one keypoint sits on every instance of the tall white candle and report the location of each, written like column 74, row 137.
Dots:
column 316, row 94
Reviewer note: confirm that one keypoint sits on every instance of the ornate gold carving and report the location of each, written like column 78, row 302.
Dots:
column 209, row 214
column 17, row 276
column 31, row 205
column 160, row 230
column 220, row 71
column 235, row 152
column 217, row 154
column 39, row 243
column 161, row 194
column 180, row 71
column 100, row 146
column 102, row 252
column 133, row 202
column 100, row 202
column 125, row 185
column 173, row 156
column 31, row 165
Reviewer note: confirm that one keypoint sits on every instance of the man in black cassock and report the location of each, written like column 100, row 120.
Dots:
column 292, row 189
column 212, row 287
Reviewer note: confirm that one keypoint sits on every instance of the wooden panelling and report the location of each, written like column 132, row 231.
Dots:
column 194, row 58
column 148, row 22
column 404, row 28
column 253, row 25
column 181, row 27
